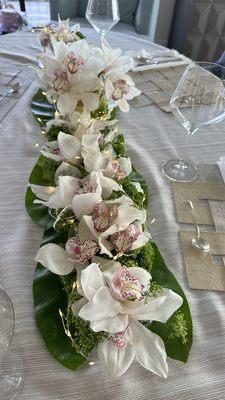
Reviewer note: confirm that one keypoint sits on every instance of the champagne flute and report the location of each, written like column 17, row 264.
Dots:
column 11, row 364
column 103, row 15
column 198, row 100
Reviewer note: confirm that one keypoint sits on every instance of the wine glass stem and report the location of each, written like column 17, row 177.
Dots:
column 184, row 156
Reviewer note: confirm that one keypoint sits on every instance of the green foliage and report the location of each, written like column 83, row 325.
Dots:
column 118, row 145
column 155, row 289
column 80, row 35
column 66, row 223
column 53, row 131
column 49, row 167
column 178, row 327
column 82, row 337
column 131, row 191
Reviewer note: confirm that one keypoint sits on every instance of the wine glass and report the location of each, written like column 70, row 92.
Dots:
column 103, row 15
column 198, row 100
column 11, row 364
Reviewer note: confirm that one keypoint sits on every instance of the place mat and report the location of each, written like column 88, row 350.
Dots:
column 157, row 86
column 25, row 76
column 197, row 192
column 204, row 271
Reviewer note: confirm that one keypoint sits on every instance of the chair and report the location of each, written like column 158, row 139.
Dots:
column 135, row 15
column 221, row 60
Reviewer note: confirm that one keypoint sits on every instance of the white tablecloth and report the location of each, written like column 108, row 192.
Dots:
column 152, row 136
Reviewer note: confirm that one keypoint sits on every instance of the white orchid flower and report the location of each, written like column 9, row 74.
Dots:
column 64, row 32
column 108, row 224
column 66, row 147
column 114, row 302
column 71, row 72
column 119, row 88
column 113, row 59
column 95, row 159
column 60, row 196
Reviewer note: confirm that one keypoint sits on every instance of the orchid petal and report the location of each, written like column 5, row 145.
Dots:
column 67, row 103
column 102, row 306
column 91, row 280
column 149, row 349
column 111, row 325
column 43, row 192
column 76, row 307
column 54, row 258
column 69, row 145
column 115, row 361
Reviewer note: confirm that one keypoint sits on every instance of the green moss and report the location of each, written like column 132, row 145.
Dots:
column 80, row 35
column 132, row 192
column 49, row 167
column 145, row 257
column 118, row 145
column 53, row 132
column 178, row 327
column 67, row 223
column 155, row 289
column 83, row 338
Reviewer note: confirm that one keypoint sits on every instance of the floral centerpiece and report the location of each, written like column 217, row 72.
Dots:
column 100, row 280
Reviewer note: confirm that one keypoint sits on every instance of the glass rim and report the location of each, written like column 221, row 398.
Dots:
column 206, row 62
column 9, row 337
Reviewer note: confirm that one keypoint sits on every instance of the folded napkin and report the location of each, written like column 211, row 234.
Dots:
column 156, row 56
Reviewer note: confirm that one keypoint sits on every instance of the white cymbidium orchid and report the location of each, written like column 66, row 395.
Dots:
column 114, row 301
column 70, row 192
column 71, row 73
column 116, row 225
column 66, row 147
column 64, row 32
column 119, row 88
column 113, row 59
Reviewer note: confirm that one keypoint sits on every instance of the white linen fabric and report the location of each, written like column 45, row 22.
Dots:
column 152, row 136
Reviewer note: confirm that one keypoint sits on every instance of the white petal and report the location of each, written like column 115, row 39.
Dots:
column 159, row 309
column 141, row 241
column 67, row 103
column 128, row 214
column 43, row 192
column 84, row 204
column 102, row 306
column 66, row 169
column 68, row 186
column 91, row 280
column 149, row 349
column 111, row 325
column 90, row 101
column 86, row 228
column 115, row 361
column 69, row 145
column 123, row 105
column 55, row 258
column 76, row 307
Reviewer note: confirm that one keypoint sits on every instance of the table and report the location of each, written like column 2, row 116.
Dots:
column 152, row 136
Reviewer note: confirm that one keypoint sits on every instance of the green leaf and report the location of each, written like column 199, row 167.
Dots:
column 175, row 348
column 38, row 212
column 41, row 108
column 49, row 297
column 136, row 177
column 37, row 173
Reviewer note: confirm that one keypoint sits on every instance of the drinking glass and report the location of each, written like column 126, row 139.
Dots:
column 11, row 364
column 103, row 15
column 198, row 100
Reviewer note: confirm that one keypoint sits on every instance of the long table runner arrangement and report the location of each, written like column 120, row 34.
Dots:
column 100, row 281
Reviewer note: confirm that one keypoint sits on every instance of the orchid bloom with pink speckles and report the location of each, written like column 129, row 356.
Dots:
column 114, row 301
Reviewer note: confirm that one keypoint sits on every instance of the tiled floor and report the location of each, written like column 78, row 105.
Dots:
column 37, row 12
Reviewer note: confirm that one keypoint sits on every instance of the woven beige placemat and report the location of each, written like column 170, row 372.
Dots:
column 196, row 192
column 202, row 273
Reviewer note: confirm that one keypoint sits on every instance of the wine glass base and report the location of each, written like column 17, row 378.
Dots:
column 180, row 171
column 11, row 373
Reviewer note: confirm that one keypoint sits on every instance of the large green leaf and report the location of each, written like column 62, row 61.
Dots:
column 37, row 173
column 38, row 212
column 49, row 297
column 41, row 108
column 175, row 348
